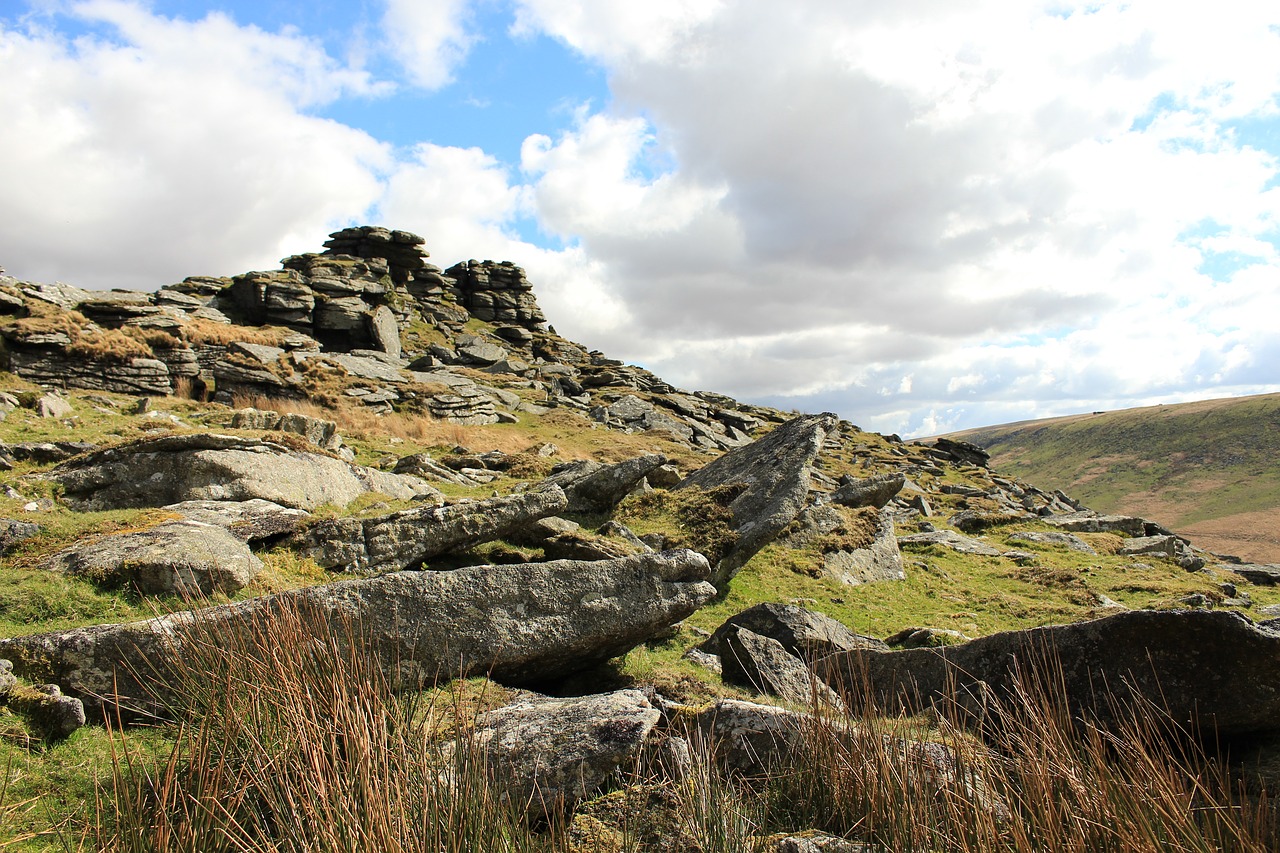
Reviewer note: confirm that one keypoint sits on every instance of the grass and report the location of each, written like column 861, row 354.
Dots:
column 300, row 744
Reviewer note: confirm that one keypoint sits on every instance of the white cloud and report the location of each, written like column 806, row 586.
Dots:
column 851, row 193
column 172, row 148
column 429, row 38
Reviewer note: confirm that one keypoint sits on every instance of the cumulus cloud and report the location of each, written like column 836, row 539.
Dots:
column 161, row 148
column 807, row 203
column 429, row 38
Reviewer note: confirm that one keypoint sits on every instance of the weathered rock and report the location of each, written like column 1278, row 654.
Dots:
column 184, row 558
column 46, row 452
column 1166, row 546
column 807, row 634
column 13, row 531
column 925, row 638
column 580, row 546
column 873, row 491
column 254, row 520
column 976, row 521
column 1209, row 669
column 1053, row 538
column 1088, row 522
column 320, row 432
column 1260, row 575
column 207, row 466
column 952, row 540
column 879, row 561
column 403, row 540
column 762, row 664
column 775, row 473
column 963, row 451
column 520, row 624
column 52, row 715
column 549, row 753
column 592, row 487
column 7, row 679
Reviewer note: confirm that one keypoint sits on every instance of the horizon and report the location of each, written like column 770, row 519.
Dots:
column 925, row 219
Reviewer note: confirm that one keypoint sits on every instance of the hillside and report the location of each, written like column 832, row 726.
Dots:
column 1207, row 469
column 380, row 561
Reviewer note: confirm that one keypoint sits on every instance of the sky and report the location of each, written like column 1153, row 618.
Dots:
column 924, row 215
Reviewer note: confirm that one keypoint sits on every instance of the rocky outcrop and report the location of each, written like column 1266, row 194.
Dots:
column 1210, row 670
column 1168, row 547
column 774, row 472
column 520, row 624
column 184, row 558
column 209, row 466
column 252, row 521
column 952, row 540
column 320, row 432
column 1053, row 539
column 403, row 540
column 1091, row 522
column 549, row 753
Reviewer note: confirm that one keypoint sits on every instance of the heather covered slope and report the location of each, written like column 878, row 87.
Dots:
column 1208, row 469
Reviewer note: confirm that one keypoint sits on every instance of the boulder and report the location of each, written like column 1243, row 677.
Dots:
column 963, row 452
column 592, row 487
column 520, row 624
column 548, row 753
column 184, row 558
column 1211, row 670
column 208, row 466
column 403, row 540
column 807, row 634
column 879, row 561
column 952, row 540
column 254, row 520
column 1054, row 539
column 763, row 665
column 52, row 715
column 1259, row 575
column 1091, row 522
column 1167, row 546
column 774, row 474
column 873, row 491
column 13, row 531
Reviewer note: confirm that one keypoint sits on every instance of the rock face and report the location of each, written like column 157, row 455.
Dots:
column 208, row 466
column 879, row 561
column 552, row 752
column 184, row 558
column 775, row 473
column 402, row 540
column 1212, row 670
column 521, row 624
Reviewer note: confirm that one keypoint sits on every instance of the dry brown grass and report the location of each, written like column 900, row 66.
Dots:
column 200, row 331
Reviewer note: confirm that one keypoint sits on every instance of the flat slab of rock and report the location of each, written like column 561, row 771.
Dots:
column 952, row 540
column 1087, row 522
column 1054, row 539
column 1259, row 575
column 184, row 558
column 521, row 624
column 208, row 466
column 879, row 561
column 552, row 751
column 1210, row 669
column 402, row 540
column 254, row 520
column 775, row 473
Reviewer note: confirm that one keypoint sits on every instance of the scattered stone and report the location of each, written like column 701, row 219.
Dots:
column 1054, row 539
column 1087, row 522
column 53, row 716
column 1167, row 546
column 52, row 406
column 13, row 531
column 807, row 634
column 873, row 491
column 950, row 539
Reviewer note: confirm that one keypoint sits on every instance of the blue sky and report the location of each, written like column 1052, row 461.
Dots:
column 924, row 215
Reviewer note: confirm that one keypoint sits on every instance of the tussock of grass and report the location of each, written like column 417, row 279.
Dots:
column 687, row 518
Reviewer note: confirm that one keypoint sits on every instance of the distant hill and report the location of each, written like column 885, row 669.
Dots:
column 1209, row 470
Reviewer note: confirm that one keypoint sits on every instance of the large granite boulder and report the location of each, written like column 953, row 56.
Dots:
column 209, row 466
column 547, row 753
column 403, row 540
column 774, row 474
column 1211, row 670
column 520, row 624
column 185, row 558
column 872, row 491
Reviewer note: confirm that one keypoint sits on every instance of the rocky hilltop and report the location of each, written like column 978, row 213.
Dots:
column 178, row 459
